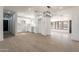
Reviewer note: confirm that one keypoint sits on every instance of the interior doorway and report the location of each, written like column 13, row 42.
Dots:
column 5, row 25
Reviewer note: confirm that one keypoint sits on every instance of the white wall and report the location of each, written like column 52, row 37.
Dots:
column 21, row 16
column 38, row 22
column 13, row 21
column 43, row 25
column 20, row 26
column 73, row 14
column 1, row 23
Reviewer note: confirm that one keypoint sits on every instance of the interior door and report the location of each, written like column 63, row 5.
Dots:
column 70, row 28
column 5, row 25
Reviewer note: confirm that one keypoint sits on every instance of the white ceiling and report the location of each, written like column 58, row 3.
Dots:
column 31, row 9
column 40, row 8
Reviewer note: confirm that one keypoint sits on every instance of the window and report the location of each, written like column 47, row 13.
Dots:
column 60, row 25
column 53, row 25
column 65, row 25
column 57, row 25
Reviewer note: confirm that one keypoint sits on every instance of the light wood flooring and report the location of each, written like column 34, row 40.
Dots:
column 31, row 42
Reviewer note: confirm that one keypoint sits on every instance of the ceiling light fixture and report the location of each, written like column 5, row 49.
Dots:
column 48, row 7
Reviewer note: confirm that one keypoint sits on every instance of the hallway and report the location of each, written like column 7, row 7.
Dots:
column 31, row 42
